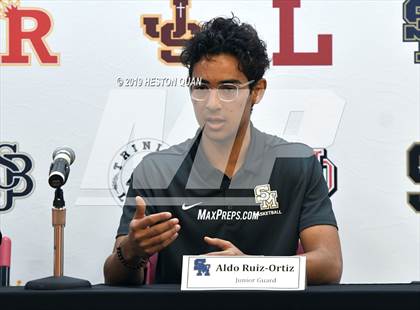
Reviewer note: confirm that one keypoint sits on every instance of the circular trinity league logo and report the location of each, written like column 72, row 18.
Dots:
column 126, row 160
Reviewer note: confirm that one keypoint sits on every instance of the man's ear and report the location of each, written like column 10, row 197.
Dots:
column 258, row 91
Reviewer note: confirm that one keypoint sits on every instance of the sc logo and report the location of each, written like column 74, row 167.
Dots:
column 15, row 181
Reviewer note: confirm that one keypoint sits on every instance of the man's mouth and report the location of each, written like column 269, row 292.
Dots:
column 214, row 123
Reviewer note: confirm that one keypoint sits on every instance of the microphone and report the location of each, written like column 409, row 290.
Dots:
column 63, row 157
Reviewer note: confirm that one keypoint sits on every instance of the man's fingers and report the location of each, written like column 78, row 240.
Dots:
column 220, row 243
column 159, row 229
column 140, row 208
column 162, row 245
column 153, row 219
column 221, row 253
column 160, row 238
column 140, row 227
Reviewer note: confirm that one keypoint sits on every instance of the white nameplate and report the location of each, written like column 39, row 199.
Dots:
column 243, row 272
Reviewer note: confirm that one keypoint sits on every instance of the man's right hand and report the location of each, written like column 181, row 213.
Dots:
column 149, row 234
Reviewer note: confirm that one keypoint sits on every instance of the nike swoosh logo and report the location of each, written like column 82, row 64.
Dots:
column 185, row 207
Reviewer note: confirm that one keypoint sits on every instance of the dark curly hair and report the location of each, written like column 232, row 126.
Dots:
column 230, row 36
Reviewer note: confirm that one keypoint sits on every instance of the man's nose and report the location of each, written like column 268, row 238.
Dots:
column 213, row 101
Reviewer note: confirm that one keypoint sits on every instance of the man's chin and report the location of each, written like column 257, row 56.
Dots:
column 218, row 136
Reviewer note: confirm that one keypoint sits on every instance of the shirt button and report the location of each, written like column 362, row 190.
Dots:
column 229, row 207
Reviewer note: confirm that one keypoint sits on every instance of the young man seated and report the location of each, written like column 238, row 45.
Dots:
column 231, row 189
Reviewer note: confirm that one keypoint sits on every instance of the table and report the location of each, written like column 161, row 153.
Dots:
column 169, row 296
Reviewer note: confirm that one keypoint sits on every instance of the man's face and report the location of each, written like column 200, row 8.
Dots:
column 221, row 119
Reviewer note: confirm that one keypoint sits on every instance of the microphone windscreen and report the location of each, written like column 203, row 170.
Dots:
column 5, row 252
column 66, row 150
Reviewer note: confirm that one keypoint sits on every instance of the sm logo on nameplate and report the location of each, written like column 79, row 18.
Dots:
column 243, row 273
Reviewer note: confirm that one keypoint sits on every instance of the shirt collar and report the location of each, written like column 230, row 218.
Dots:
column 253, row 157
column 252, row 162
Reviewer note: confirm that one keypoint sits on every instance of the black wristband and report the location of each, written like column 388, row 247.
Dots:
column 143, row 261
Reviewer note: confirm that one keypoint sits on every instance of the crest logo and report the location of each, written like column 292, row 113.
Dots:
column 126, row 160
column 266, row 197
column 329, row 170
column 171, row 34
column 411, row 28
column 15, row 181
column 17, row 34
column 201, row 267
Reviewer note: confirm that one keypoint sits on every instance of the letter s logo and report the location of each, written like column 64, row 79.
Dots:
column 413, row 167
column 14, row 168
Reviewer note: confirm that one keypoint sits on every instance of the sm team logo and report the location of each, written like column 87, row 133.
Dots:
column 411, row 28
column 16, row 18
column 201, row 267
column 124, row 162
column 171, row 34
column 329, row 170
column 266, row 197
column 15, row 181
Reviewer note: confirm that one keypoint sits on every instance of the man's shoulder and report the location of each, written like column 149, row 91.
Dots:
column 280, row 148
column 291, row 160
column 166, row 159
column 174, row 152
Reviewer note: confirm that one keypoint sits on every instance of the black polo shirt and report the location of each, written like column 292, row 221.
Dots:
column 279, row 191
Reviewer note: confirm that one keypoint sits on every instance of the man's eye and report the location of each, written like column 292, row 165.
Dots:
column 227, row 87
column 227, row 91
column 201, row 87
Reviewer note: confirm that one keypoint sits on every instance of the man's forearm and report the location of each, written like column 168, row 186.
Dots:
column 116, row 273
column 322, row 267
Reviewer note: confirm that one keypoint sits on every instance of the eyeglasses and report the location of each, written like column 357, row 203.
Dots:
column 226, row 92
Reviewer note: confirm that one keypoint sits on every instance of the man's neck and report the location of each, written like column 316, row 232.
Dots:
column 228, row 157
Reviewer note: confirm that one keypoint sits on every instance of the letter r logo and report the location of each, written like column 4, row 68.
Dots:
column 17, row 35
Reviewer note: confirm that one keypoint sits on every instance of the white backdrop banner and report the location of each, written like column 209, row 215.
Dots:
column 104, row 78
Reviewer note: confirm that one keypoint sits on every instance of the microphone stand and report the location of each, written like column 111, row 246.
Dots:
column 58, row 281
column 58, row 221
